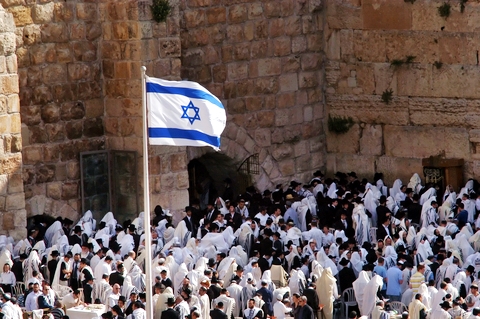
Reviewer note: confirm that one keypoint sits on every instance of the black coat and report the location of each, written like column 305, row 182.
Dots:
column 235, row 221
column 381, row 232
column 116, row 278
column 346, row 277
column 170, row 314
column 217, row 314
column 190, row 225
column 74, row 239
column 259, row 314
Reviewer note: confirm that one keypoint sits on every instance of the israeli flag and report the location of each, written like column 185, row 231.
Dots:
column 183, row 113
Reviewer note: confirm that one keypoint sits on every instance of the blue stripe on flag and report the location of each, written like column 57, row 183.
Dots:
column 160, row 132
column 191, row 93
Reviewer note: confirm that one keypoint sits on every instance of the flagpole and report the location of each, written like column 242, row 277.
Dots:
column 146, row 204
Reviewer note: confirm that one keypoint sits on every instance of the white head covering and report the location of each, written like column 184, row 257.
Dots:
column 359, row 286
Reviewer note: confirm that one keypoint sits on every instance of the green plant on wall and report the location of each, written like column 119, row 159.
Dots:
column 444, row 10
column 399, row 62
column 438, row 64
column 387, row 96
column 339, row 124
column 160, row 10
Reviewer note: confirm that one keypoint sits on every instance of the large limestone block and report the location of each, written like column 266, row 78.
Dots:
column 443, row 112
column 386, row 14
column 414, row 80
column 344, row 14
column 348, row 142
column 371, row 141
column 363, row 165
column 369, row 108
column 425, row 141
column 455, row 81
column 398, row 167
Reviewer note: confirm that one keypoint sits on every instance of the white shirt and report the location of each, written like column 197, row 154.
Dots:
column 31, row 301
column 8, row 278
column 112, row 299
column 279, row 310
column 262, row 218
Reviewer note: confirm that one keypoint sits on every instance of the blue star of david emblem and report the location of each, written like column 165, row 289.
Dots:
column 189, row 110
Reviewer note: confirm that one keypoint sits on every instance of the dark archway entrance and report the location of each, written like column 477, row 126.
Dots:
column 207, row 174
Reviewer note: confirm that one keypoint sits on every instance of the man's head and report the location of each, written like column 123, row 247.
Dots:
column 116, row 289
column 46, row 290
column 36, row 287
column 251, row 303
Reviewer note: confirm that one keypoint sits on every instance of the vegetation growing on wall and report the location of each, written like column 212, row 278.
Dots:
column 339, row 124
column 160, row 10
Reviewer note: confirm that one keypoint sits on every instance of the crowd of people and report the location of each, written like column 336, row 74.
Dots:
column 293, row 251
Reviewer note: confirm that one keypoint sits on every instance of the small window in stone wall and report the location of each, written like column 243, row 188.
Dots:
column 249, row 167
column 109, row 183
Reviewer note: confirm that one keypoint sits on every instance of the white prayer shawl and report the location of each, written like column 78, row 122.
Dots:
column 214, row 240
column 280, row 310
column 182, row 233
column 332, row 191
column 467, row 189
column 292, row 254
column 426, row 299
column 169, row 234
column 427, row 195
column 302, row 214
column 424, row 250
column 392, row 204
column 359, row 286
column 110, row 222
column 223, row 207
column 370, row 201
column 127, row 244
column 428, row 215
column 318, row 189
column 139, row 222
column 414, row 309
column 162, row 226
column 5, row 258
column 205, row 306
column 228, row 236
column 371, row 290
column 32, row 263
column 438, row 298
column 470, row 208
column 178, row 278
column 296, row 282
column 475, row 240
column 22, row 247
column 390, row 257
column 379, row 313
column 138, row 278
column 88, row 222
column 464, row 245
column 127, row 287
column 239, row 254
column 55, row 228
column 327, row 292
column 56, row 279
column 415, row 183
column 40, row 247
column 357, row 263
column 444, row 210
column 381, row 187
column 361, row 225
column 235, row 292
column 412, row 234
column 397, row 185
column 294, row 234
column 326, row 262
column 101, row 290
column 101, row 268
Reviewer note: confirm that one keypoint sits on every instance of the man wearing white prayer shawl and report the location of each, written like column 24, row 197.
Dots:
column 235, row 291
column 228, row 302
column 138, row 311
column 371, row 290
column 437, row 299
column 326, row 287
column 359, row 289
column 204, row 303
column 415, row 183
column 440, row 312
column 103, row 267
column 416, row 309
column 161, row 303
column 469, row 206
column 379, row 311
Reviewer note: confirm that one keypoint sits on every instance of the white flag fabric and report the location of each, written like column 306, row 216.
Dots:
column 183, row 113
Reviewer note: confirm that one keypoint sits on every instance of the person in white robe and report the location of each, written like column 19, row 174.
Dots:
column 395, row 188
column 379, row 311
column 359, row 289
column 371, row 290
column 415, row 183
column 279, row 308
column 235, row 291
column 416, row 306
column 431, row 192
column 161, row 303
column 326, row 287
column 228, row 303
column 204, row 302
column 361, row 224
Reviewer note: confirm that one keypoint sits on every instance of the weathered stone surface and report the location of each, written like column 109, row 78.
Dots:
column 344, row 143
column 420, row 142
column 371, row 140
column 398, row 167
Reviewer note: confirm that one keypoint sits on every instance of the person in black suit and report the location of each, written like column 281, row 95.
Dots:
column 117, row 312
column 44, row 300
column 305, row 312
column 218, row 313
column 312, row 297
column 415, row 209
column 383, row 212
column 346, row 275
column 167, row 282
column 117, row 276
column 267, row 297
column 233, row 218
column 383, row 230
column 76, row 238
column 211, row 213
column 52, row 264
column 342, row 223
column 169, row 313
column 136, row 238
column 189, row 221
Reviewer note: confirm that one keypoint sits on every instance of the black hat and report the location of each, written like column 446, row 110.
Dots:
column 471, row 269
column 188, row 209
column 23, row 256
column 352, row 174
column 446, row 304
column 67, row 221
column 77, row 229
column 118, row 310
column 118, row 227
column 239, row 268
column 54, row 253
column 344, row 262
column 352, row 314
column 294, row 184
column 266, row 192
column 84, row 261
column 107, row 315
column 132, row 227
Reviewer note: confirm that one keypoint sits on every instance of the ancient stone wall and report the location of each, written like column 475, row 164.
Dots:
column 60, row 95
column 435, row 97
column 264, row 60
column 12, row 196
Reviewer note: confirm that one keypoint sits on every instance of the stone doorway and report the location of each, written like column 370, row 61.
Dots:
column 207, row 174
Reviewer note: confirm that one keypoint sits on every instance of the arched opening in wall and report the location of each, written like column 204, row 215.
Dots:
column 207, row 176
